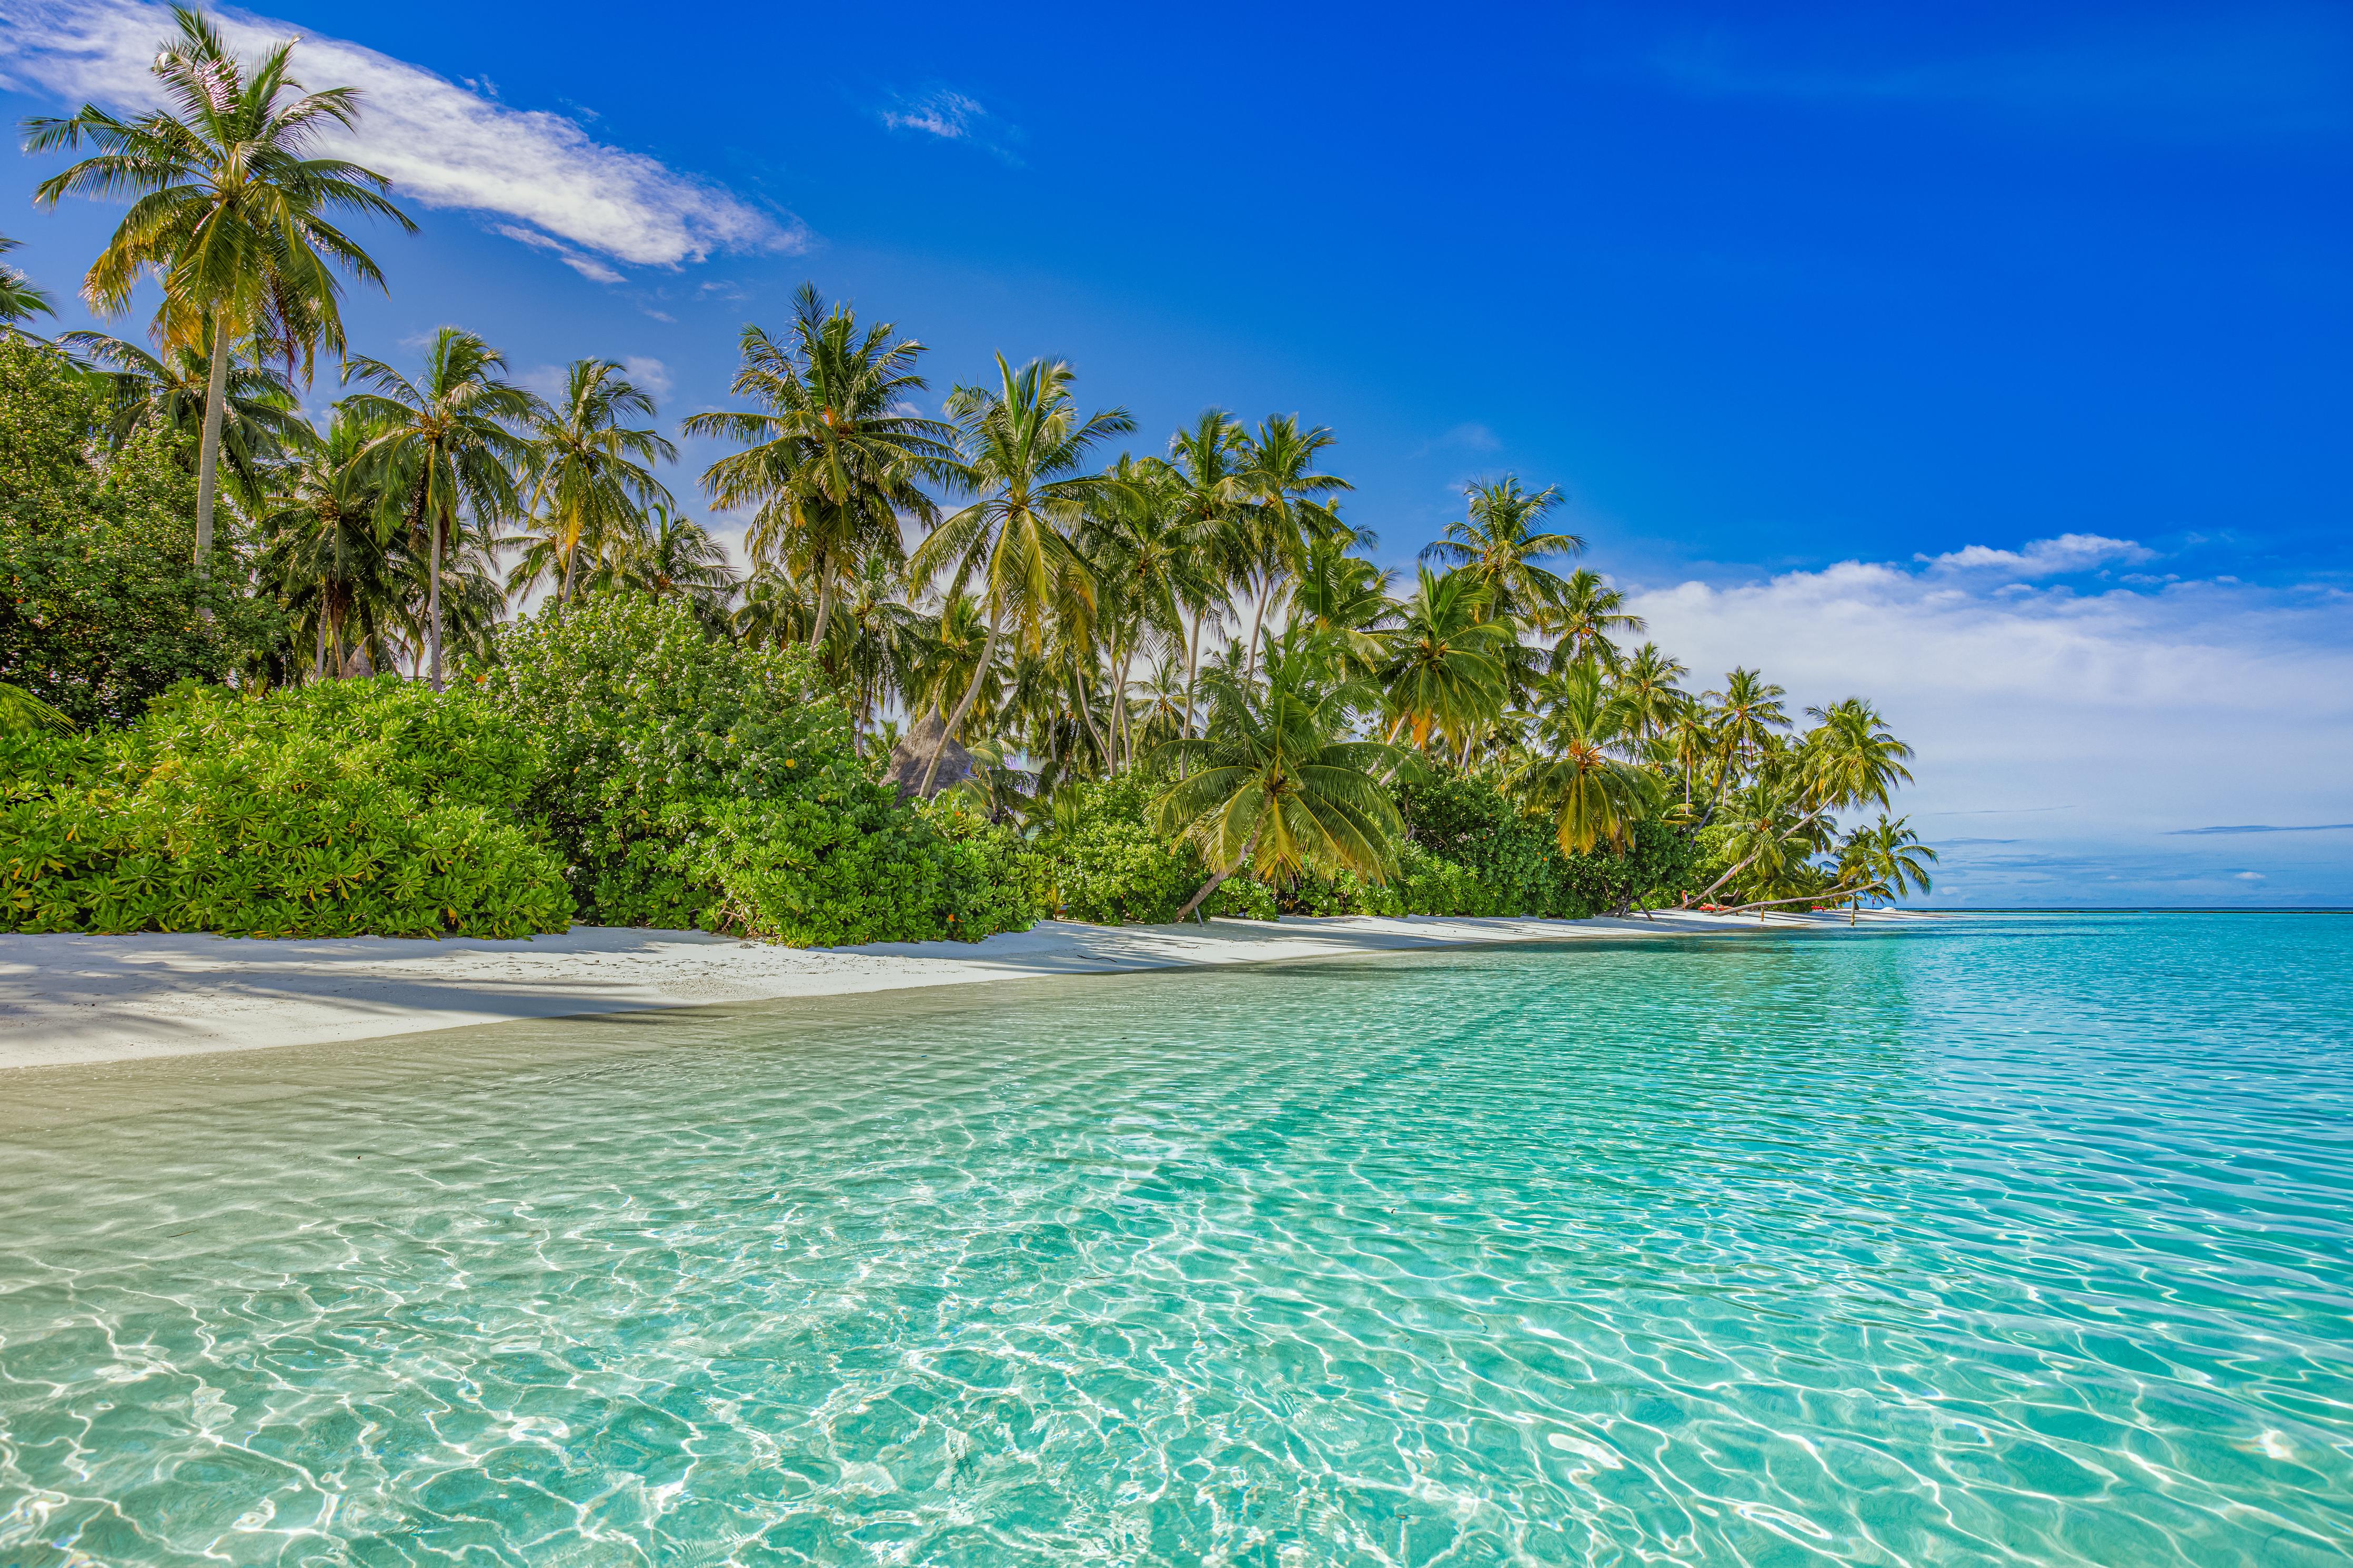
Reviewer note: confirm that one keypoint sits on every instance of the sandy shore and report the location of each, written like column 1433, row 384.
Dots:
column 72, row 999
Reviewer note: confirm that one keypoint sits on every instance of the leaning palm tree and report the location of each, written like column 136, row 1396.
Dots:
column 1498, row 544
column 591, row 476
column 1443, row 666
column 1024, row 448
column 1593, row 794
column 1275, row 786
column 832, row 460
column 446, row 445
column 231, row 214
column 19, row 299
column 1852, row 759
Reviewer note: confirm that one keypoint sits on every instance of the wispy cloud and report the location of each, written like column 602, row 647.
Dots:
column 953, row 116
column 443, row 144
column 2042, row 557
column 2264, row 827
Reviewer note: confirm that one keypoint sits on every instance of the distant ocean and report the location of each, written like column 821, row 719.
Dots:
column 2017, row 1237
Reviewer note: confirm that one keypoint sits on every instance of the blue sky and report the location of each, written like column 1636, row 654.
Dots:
column 1990, row 363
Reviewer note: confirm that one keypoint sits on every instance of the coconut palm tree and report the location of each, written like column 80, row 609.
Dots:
column 590, row 477
column 1586, row 618
column 1147, row 569
column 1647, row 687
column 231, row 214
column 1443, row 665
column 19, row 299
column 832, row 460
column 1023, row 448
column 1207, row 458
column 22, row 713
column 777, row 609
column 1773, row 832
column 1746, row 714
column 261, row 421
column 1593, row 794
column 881, row 636
column 446, row 446
column 671, row 554
column 331, row 552
column 1884, row 860
column 1853, row 758
column 1286, row 504
column 1273, row 784
column 1497, row 543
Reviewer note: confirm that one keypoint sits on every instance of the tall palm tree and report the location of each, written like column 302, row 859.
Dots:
column 1747, row 713
column 1497, row 543
column 1206, row 458
column 1884, row 860
column 19, row 299
column 832, row 460
column 1023, row 448
column 673, row 554
column 1586, row 616
column 1854, row 758
column 447, row 444
column 1594, row 794
column 1647, row 686
column 1274, row 786
column 231, row 214
column 260, row 420
column 1147, row 570
column 1287, row 505
column 1443, row 667
column 776, row 610
column 329, row 550
column 590, row 476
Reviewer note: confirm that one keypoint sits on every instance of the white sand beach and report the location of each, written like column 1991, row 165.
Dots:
column 79, row 999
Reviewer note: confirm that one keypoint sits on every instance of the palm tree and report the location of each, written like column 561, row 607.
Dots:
column 1497, row 545
column 1772, row 833
column 673, row 554
column 19, row 299
column 1443, row 666
column 443, row 446
column 1347, row 598
column 329, row 550
column 1853, row 758
column 1746, row 712
column 832, row 460
column 260, row 420
column 1586, row 617
column 590, row 476
column 1286, row 507
column 1147, row 571
column 1273, row 784
column 1024, row 448
column 776, row 610
column 1647, row 687
column 881, row 636
column 231, row 214
column 1884, row 861
column 1207, row 459
column 22, row 713
column 1595, row 796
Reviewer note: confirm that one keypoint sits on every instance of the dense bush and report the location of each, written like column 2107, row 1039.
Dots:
column 100, row 606
column 349, row 808
column 696, row 782
column 1100, row 864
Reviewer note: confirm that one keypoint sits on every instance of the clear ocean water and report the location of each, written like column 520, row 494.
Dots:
column 1986, row 1240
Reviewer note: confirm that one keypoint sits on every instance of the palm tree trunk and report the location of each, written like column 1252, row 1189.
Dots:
column 208, row 448
column 963, row 707
column 563, row 591
column 1212, row 885
column 1192, row 668
column 824, row 599
column 319, row 661
column 1258, row 620
column 433, row 604
column 1086, row 717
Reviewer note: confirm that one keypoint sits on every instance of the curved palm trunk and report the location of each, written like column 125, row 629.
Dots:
column 563, row 591
column 963, row 707
column 824, row 600
column 1086, row 717
column 208, row 448
column 1214, row 883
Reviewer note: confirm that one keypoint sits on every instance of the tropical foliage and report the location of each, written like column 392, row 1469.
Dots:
column 1176, row 680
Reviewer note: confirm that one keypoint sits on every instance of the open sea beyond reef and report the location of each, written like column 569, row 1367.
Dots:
column 2018, row 1238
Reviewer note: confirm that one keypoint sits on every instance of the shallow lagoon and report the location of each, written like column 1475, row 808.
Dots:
column 1995, row 1238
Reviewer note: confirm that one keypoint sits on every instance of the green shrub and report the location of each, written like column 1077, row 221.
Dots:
column 1100, row 863
column 359, row 807
column 695, row 782
column 100, row 608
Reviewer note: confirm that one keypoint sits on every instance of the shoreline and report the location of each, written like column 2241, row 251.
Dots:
column 74, row 1000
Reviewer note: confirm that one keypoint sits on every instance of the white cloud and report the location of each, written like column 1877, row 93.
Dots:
column 2042, row 557
column 953, row 117
column 442, row 144
column 648, row 373
column 2089, row 728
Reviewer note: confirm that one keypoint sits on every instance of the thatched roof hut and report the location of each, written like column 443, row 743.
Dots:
column 912, row 756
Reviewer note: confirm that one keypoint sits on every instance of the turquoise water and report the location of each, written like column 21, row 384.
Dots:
column 2017, row 1240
